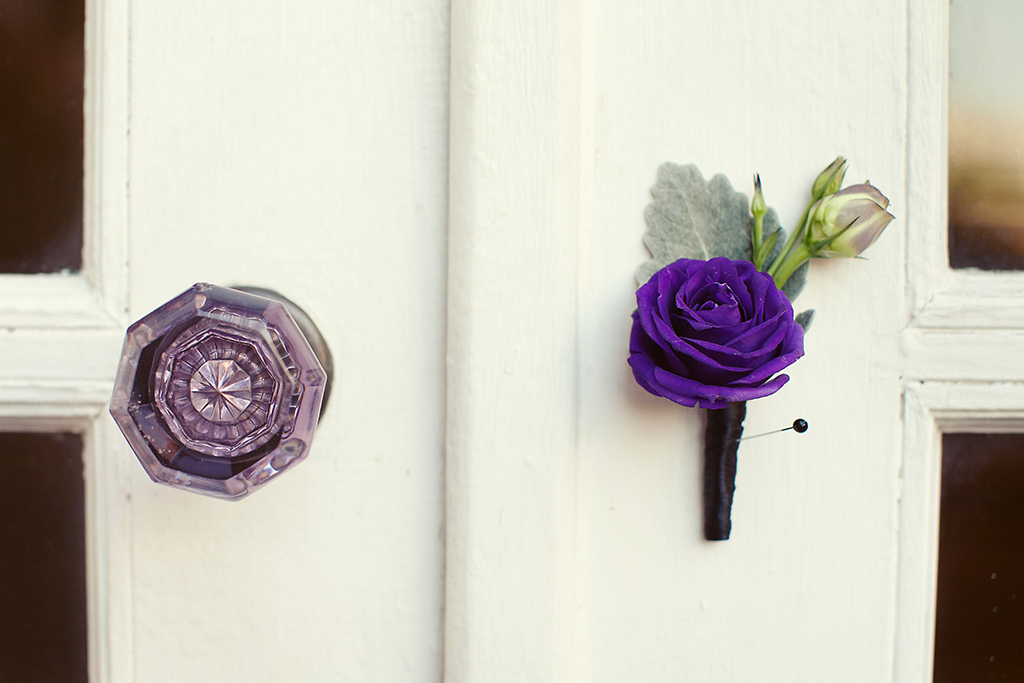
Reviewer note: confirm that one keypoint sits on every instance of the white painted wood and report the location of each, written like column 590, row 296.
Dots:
column 59, row 357
column 52, row 301
column 963, row 354
column 965, row 330
column 109, row 556
column 60, row 335
column 105, row 269
column 932, row 408
column 927, row 105
column 305, row 148
column 96, row 297
column 972, row 300
column 805, row 589
column 301, row 147
column 107, row 128
column 512, row 364
column 918, row 557
column 108, row 576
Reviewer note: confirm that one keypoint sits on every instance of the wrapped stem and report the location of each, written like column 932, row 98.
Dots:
column 721, row 441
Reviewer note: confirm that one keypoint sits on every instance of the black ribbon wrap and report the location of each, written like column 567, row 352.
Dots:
column 722, row 434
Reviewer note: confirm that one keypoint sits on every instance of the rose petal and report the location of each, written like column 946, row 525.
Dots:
column 640, row 342
column 712, row 332
column 682, row 390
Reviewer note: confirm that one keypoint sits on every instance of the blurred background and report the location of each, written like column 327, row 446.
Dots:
column 42, row 72
column 986, row 134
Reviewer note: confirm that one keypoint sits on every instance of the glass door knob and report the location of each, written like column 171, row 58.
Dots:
column 219, row 390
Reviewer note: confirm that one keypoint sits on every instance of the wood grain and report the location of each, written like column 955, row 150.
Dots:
column 301, row 147
column 512, row 375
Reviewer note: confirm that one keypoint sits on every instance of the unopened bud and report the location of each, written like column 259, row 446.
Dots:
column 757, row 205
column 830, row 180
column 847, row 222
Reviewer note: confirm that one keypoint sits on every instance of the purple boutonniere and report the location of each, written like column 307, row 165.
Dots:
column 713, row 326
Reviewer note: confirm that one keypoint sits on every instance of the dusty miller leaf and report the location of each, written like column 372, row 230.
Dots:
column 693, row 218
column 698, row 219
column 805, row 319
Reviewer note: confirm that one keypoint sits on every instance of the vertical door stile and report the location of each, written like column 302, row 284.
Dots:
column 928, row 66
column 105, row 270
column 514, row 209
column 107, row 106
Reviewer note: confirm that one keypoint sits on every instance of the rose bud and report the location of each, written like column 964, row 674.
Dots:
column 846, row 223
column 830, row 180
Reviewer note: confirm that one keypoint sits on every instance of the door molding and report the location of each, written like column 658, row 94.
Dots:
column 64, row 332
column 930, row 410
column 515, row 196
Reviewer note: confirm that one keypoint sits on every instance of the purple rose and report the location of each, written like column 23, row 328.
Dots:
column 709, row 333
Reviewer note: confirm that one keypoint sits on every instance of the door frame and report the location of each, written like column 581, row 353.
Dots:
column 65, row 330
column 958, row 321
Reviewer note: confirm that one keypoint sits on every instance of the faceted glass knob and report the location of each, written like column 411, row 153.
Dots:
column 219, row 390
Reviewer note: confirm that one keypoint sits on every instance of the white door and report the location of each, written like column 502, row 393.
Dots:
column 574, row 522
column 456, row 194
column 300, row 147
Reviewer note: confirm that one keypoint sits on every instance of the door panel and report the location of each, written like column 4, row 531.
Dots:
column 804, row 589
column 574, row 537
column 300, row 147
column 304, row 147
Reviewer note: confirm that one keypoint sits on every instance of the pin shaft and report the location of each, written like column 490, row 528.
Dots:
column 799, row 426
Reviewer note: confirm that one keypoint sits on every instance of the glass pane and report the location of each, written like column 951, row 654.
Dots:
column 979, row 629
column 41, row 150
column 986, row 134
column 42, row 558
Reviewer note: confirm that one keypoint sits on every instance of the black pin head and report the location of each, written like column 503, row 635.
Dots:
column 799, row 426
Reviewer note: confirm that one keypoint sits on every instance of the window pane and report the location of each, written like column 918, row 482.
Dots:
column 42, row 558
column 41, row 141
column 986, row 134
column 979, row 630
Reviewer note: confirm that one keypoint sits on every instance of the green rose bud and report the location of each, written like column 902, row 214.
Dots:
column 830, row 180
column 847, row 222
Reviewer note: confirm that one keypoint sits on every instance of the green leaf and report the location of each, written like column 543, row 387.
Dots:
column 698, row 219
column 805, row 319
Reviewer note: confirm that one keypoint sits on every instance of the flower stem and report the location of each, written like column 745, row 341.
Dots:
column 721, row 441
column 797, row 233
column 793, row 261
column 756, row 239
